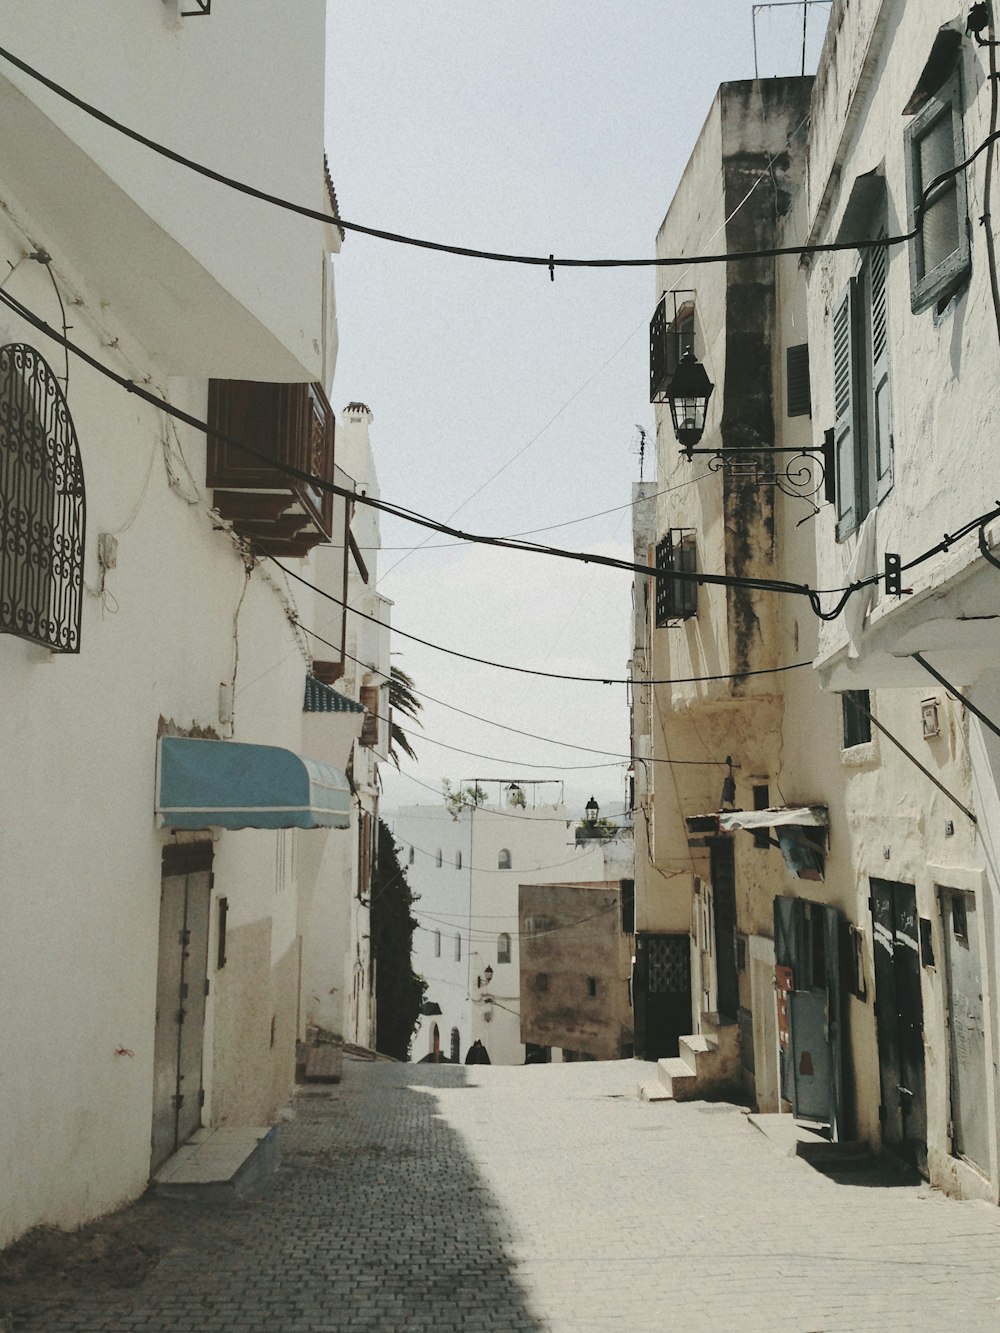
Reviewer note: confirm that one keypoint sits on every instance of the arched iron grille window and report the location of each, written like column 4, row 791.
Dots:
column 42, row 512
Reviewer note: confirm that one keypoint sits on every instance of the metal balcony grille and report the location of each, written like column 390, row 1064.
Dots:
column 671, row 333
column 676, row 598
column 42, row 508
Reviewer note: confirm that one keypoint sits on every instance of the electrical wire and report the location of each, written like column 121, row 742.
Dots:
column 508, row 666
column 550, row 262
column 411, row 516
column 486, row 937
column 570, row 522
column 515, row 763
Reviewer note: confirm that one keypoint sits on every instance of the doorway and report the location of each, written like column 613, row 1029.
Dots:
column 181, row 990
column 899, row 1018
column 967, row 1070
column 661, row 994
column 809, row 1010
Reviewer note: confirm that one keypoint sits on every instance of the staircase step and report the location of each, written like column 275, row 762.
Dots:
column 654, row 1092
column 725, row 1031
column 700, row 1051
column 677, row 1076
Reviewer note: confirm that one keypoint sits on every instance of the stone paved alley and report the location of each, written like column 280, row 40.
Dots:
column 538, row 1198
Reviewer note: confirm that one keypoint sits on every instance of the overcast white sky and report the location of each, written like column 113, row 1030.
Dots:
column 536, row 126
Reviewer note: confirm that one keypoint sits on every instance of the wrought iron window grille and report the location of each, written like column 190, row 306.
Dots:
column 671, row 334
column 42, row 505
column 676, row 598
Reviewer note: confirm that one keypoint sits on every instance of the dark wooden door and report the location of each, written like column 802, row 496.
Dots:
column 899, row 1016
column 661, row 994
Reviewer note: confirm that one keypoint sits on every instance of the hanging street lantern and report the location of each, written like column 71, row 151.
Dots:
column 592, row 810
column 687, row 395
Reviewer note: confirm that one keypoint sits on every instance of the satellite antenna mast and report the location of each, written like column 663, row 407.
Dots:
column 640, row 448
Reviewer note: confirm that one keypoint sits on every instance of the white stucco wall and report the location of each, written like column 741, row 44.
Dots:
column 217, row 89
column 80, row 850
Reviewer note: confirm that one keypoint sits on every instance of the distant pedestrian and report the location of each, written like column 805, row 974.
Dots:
column 478, row 1054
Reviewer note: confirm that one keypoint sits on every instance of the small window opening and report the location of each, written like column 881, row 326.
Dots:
column 503, row 860
column 856, row 705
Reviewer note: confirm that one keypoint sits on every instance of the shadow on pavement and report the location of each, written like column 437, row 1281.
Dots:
column 377, row 1219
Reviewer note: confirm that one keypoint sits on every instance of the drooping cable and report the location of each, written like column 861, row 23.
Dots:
column 537, row 548
column 550, row 262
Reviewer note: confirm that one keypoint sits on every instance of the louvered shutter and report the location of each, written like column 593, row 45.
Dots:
column 845, row 399
column 881, row 423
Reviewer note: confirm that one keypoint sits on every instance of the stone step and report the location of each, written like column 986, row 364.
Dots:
column 726, row 1032
column 700, row 1051
column 677, row 1076
column 226, row 1162
column 654, row 1092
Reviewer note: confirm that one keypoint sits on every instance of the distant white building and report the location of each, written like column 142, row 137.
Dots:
column 466, row 871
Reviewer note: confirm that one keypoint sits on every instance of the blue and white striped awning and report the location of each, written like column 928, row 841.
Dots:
column 227, row 784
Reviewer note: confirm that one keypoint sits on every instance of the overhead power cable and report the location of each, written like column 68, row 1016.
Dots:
column 569, row 523
column 618, row 755
column 400, row 511
column 421, row 520
column 509, row 666
column 550, row 262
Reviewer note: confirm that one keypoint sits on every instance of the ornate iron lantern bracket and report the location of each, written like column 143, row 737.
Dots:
column 801, row 471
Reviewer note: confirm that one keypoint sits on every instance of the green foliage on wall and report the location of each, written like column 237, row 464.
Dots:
column 399, row 991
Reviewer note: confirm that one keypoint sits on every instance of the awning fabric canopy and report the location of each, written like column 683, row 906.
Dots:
column 800, row 816
column 226, row 784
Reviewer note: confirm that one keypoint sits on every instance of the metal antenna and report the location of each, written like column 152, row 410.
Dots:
column 640, row 448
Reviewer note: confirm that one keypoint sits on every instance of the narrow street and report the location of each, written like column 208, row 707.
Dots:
column 528, row 1199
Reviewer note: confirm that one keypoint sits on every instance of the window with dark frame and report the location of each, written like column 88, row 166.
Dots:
column 676, row 598
column 940, row 253
column 855, row 706
column 503, row 948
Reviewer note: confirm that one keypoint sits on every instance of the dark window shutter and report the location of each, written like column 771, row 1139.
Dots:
column 797, row 381
column 845, row 399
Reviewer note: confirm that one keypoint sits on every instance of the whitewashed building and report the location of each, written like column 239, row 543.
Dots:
column 465, row 869
column 176, row 904
column 904, row 353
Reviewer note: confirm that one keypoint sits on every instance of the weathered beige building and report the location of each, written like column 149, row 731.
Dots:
column 576, row 964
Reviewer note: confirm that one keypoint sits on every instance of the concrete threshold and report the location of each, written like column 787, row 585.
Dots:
column 798, row 1138
column 227, row 1162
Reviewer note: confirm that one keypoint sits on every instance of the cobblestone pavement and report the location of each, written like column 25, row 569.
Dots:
column 546, row 1198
